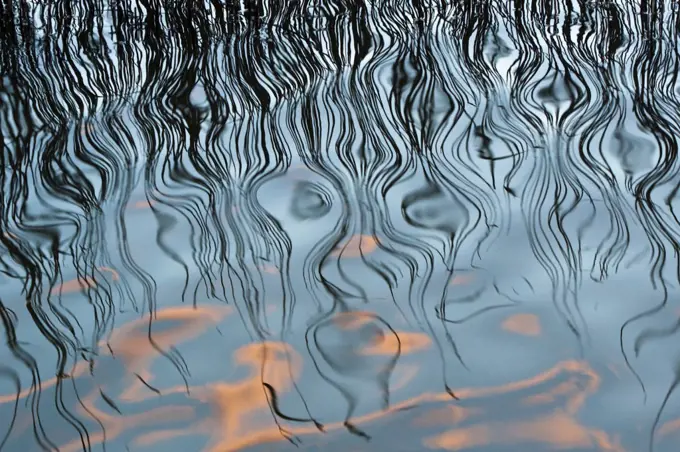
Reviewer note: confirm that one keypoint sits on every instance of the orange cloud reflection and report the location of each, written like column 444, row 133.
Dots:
column 670, row 427
column 544, row 409
column 77, row 284
column 114, row 425
column 242, row 415
column 403, row 341
column 241, row 410
column 352, row 320
column 132, row 343
column 525, row 324
column 461, row 279
column 357, row 246
column 136, row 349
column 553, row 423
column 557, row 430
column 144, row 204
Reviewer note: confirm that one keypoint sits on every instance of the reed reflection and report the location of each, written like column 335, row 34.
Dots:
column 369, row 182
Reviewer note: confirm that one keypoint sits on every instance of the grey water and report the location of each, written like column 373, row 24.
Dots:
column 344, row 225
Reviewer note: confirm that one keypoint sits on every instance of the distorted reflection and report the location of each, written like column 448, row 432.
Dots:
column 526, row 324
column 241, row 411
column 356, row 246
column 340, row 225
column 83, row 283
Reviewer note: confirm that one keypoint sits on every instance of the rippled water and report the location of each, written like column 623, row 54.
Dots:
column 339, row 225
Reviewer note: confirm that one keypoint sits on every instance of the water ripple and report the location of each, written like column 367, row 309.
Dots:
column 423, row 204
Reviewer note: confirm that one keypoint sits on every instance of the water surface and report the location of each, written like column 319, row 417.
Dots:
column 341, row 225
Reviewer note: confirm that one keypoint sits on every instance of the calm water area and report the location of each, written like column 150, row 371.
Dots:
column 339, row 225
